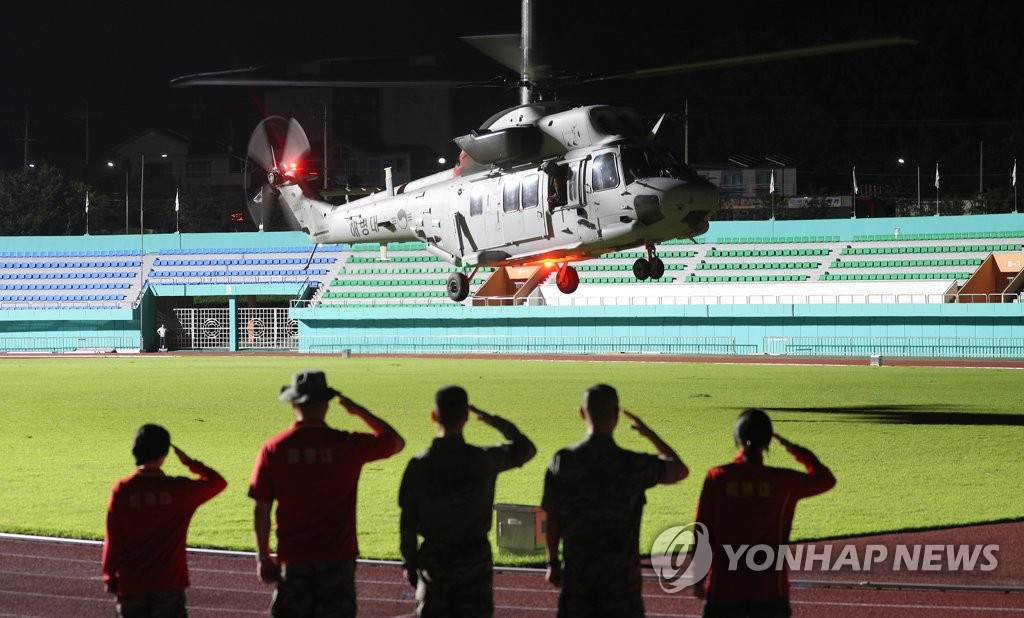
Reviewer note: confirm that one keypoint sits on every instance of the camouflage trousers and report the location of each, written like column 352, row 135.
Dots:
column 317, row 589
column 601, row 588
column 152, row 605
column 455, row 580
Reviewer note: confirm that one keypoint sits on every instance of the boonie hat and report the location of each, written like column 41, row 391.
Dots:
column 308, row 385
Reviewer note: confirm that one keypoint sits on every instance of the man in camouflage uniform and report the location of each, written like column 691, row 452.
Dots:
column 446, row 496
column 594, row 498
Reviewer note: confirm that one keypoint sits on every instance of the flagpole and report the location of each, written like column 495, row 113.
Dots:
column 936, row 189
column 86, row 213
column 1013, row 178
column 853, row 202
column 176, row 231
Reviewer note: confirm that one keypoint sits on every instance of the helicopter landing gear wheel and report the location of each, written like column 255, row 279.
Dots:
column 567, row 280
column 657, row 268
column 458, row 287
column 642, row 269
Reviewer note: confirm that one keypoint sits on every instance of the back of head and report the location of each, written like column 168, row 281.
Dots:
column 452, row 405
column 753, row 429
column 151, row 442
column 601, row 404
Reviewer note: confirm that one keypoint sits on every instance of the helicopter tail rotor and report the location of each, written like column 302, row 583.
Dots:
column 266, row 171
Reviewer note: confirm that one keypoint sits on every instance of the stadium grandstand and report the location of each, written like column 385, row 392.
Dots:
column 925, row 286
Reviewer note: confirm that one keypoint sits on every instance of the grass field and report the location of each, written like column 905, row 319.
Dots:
column 912, row 447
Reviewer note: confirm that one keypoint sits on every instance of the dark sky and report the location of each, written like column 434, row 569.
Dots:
column 933, row 102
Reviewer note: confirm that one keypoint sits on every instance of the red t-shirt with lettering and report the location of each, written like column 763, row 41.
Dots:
column 748, row 503
column 312, row 471
column 147, row 523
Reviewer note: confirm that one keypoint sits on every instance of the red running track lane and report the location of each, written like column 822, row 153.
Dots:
column 48, row 578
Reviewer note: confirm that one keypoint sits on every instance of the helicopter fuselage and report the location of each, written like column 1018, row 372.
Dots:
column 535, row 187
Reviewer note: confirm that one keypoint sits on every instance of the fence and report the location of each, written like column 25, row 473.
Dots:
column 68, row 343
column 540, row 345
column 210, row 328
column 927, row 347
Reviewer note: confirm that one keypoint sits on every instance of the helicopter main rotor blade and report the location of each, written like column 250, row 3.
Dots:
column 505, row 49
column 250, row 77
column 727, row 63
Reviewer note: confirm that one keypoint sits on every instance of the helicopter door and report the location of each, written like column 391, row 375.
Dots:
column 522, row 217
column 480, row 230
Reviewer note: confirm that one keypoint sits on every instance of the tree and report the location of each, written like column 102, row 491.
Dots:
column 40, row 201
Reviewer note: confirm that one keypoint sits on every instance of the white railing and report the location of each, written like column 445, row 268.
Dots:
column 928, row 347
column 694, row 300
column 536, row 345
column 68, row 343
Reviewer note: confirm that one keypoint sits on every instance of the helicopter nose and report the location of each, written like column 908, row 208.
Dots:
column 693, row 202
column 694, row 196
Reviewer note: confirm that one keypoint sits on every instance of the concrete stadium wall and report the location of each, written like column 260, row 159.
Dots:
column 975, row 330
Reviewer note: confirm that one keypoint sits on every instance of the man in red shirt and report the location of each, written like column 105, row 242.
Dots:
column 748, row 503
column 312, row 471
column 147, row 521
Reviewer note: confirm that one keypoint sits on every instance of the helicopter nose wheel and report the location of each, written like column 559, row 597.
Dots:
column 458, row 287
column 653, row 267
column 567, row 279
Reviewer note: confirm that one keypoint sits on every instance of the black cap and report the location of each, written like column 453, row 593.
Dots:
column 151, row 442
column 753, row 429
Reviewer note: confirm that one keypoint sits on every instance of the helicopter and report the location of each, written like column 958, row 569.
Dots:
column 541, row 183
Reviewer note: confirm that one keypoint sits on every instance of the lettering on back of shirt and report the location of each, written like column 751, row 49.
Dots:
column 748, row 489
column 149, row 499
column 309, row 456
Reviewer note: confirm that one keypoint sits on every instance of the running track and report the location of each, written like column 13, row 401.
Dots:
column 44, row 578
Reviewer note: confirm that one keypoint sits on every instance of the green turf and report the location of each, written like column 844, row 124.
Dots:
column 911, row 447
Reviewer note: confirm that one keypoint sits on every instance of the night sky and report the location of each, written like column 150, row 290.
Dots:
column 933, row 102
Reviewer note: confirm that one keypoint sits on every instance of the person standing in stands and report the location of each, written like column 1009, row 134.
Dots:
column 148, row 515
column 312, row 471
column 748, row 503
column 594, row 499
column 446, row 496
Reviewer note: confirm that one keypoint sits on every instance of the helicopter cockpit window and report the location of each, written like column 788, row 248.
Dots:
column 640, row 163
column 531, row 191
column 510, row 197
column 606, row 172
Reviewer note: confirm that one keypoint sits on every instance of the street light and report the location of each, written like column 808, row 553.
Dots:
column 900, row 161
column 112, row 165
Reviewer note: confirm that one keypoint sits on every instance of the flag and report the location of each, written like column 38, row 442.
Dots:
column 936, row 175
column 176, row 206
column 86, row 202
column 1013, row 175
column 855, row 180
column 771, row 186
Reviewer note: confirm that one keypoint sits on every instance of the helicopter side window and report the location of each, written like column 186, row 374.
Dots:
column 572, row 189
column 606, row 173
column 476, row 201
column 510, row 197
column 531, row 192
